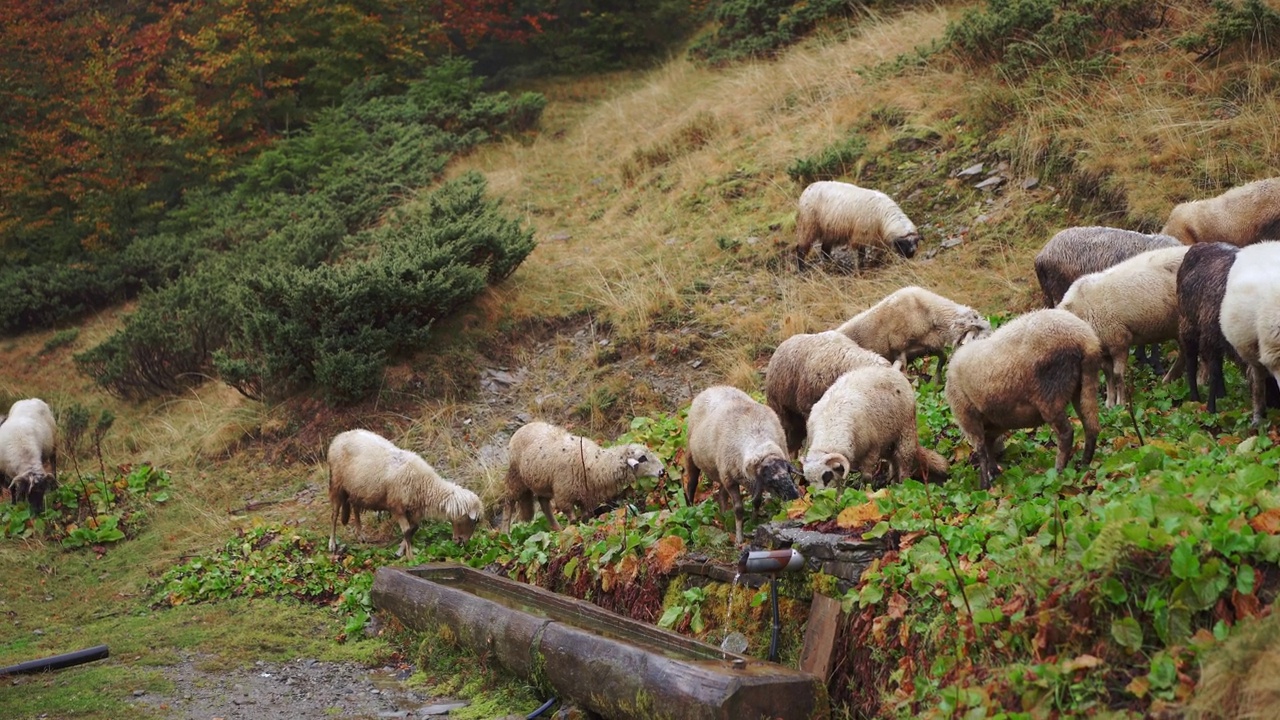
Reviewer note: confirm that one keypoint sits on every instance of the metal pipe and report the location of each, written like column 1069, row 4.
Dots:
column 770, row 561
column 777, row 622
column 57, row 662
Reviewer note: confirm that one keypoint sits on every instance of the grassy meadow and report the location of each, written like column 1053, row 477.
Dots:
column 663, row 205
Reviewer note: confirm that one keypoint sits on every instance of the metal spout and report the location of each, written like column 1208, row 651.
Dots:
column 770, row 561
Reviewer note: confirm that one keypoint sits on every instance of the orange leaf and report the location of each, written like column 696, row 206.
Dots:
column 897, row 606
column 1267, row 521
column 858, row 515
column 798, row 508
column 666, row 551
column 1139, row 686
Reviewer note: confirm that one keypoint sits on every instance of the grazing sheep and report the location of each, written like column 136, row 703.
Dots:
column 835, row 213
column 1240, row 216
column 912, row 322
column 1201, row 284
column 26, row 442
column 1128, row 304
column 548, row 463
column 368, row 472
column 868, row 415
column 1023, row 376
column 1078, row 251
column 1251, row 317
column 738, row 443
column 801, row 370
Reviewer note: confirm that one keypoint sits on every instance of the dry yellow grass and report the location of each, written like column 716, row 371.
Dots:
column 665, row 217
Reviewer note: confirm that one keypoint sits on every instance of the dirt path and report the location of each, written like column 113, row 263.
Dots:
column 302, row 688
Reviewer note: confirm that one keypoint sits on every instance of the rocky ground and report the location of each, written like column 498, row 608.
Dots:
column 302, row 688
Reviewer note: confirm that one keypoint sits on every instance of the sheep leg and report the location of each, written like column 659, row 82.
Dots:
column 692, row 474
column 333, row 530
column 1061, row 425
column 1258, row 389
column 793, row 426
column 1116, row 394
column 407, row 529
column 986, row 460
column 354, row 510
column 1217, row 384
column 1086, row 405
column 737, row 516
column 1190, row 346
column 545, row 504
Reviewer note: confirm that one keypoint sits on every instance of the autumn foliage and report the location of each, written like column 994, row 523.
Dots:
column 111, row 111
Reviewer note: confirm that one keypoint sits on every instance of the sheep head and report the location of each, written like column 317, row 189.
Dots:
column 643, row 462
column 774, row 474
column 31, row 487
column 830, row 468
column 906, row 245
column 969, row 326
column 463, row 528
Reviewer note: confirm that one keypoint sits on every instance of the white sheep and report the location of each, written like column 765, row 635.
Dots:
column 868, row 415
column 1132, row 303
column 801, row 370
column 547, row 462
column 367, row 471
column 26, row 443
column 912, row 322
column 1023, row 376
column 1250, row 317
column 739, row 444
column 836, row 213
column 1240, row 216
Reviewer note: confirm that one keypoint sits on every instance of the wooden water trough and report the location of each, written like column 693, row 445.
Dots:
column 612, row 665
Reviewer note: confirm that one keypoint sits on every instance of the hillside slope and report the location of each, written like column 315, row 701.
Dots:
column 663, row 203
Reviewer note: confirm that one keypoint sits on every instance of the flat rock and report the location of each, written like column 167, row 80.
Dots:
column 992, row 182
column 970, row 171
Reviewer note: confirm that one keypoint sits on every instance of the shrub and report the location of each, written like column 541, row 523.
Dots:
column 832, row 163
column 1252, row 22
column 760, row 28
column 335, row 325
column 1023, row 33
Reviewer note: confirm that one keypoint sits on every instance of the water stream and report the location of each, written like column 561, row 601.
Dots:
column 733, row 642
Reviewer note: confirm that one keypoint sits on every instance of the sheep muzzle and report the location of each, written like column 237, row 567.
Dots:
column 906, row 246
column 775, row 476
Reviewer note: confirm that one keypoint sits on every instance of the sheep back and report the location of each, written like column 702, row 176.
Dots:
column 369, row 472
column 1240, row 216
column 547, row 462
column 739, row 443
column 1132, row 303
column 801, row 370
column 832, row 214
column 911, row 322
column 867, row 415
column 1022, row 376
column 1078, row 251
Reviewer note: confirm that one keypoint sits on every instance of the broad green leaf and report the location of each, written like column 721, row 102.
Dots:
column 1164, row 673
column 1127, row 632
column 1245, row 579
column 1185, row 560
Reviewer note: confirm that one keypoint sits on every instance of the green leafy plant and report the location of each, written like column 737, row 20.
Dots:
column 689, row 610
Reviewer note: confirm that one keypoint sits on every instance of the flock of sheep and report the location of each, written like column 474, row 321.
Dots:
column 844, row 391
column 1209, row 280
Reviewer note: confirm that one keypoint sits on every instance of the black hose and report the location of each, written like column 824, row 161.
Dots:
column 773, row 599
column 545, row 706
column 57, row 662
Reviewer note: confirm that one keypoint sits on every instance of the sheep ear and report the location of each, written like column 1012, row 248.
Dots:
column 633, row 463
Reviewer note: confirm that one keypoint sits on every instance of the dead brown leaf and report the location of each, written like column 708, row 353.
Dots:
column 1267, row 521
column 1082, row 662
column 666, row 552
